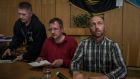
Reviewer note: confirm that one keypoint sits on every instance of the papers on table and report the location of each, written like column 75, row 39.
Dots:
column 41, row 63
column 6, row 61
column 5, row 38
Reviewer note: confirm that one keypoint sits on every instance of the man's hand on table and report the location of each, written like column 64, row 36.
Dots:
column 80, row 75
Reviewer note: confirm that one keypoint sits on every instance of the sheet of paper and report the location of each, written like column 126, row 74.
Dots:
column 6, row 61
column 41, row 63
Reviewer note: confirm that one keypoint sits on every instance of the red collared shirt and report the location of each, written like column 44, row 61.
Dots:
column 65, row 50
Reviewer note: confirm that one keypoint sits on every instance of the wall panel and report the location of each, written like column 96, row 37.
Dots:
column 131, row 34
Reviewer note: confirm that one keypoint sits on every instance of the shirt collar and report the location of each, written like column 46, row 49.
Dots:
column 100, row 42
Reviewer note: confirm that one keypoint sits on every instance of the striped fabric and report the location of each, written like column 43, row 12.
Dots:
column 104, row 57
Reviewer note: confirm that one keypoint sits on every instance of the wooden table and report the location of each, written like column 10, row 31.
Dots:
column 22, row 70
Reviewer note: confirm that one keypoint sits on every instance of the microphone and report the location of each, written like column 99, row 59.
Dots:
column 60, row 75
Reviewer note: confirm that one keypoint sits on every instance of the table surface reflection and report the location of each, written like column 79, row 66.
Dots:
column 22, row 70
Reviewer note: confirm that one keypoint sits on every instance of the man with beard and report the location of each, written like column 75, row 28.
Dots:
column 28, row 30
column 98, row 54
column 59, row 48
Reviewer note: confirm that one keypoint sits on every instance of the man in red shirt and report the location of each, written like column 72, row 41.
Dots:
column 59, row 48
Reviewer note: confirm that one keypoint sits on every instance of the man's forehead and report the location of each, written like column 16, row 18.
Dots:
column 56, row 24
column 96, row 18
column 23, row 10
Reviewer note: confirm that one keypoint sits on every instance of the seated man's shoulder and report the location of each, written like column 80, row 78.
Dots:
column 110, row 41
column 70, row 38
column 38, row 25
column 36, row 22
column 48, row 39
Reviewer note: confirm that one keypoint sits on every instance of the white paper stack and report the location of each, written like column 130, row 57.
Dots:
column 41, row 63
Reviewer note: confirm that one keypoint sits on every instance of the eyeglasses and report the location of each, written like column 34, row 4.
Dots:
column 53, row 29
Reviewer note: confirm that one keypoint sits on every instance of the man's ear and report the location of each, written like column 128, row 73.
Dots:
column 62, row 29
column 31, row 13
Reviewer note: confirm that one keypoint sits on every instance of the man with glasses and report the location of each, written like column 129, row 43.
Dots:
column 59, row 48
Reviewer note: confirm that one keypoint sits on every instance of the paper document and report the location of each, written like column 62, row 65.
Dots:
column 6, row 61
column 41, row 63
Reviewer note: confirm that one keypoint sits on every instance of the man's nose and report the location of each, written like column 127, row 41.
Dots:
column 52, row 31
column 96, row 26
column 20, row 16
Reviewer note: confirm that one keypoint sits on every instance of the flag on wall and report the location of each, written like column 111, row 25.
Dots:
column 135, row 2
column 95, row 6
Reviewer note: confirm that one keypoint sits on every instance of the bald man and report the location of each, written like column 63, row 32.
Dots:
column 98, row 53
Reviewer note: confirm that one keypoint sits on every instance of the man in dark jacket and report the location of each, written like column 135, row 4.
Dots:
column 28, row 30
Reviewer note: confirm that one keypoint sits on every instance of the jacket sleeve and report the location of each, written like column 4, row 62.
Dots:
column 120, row 71
column 17, row 37
column 34, row 49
